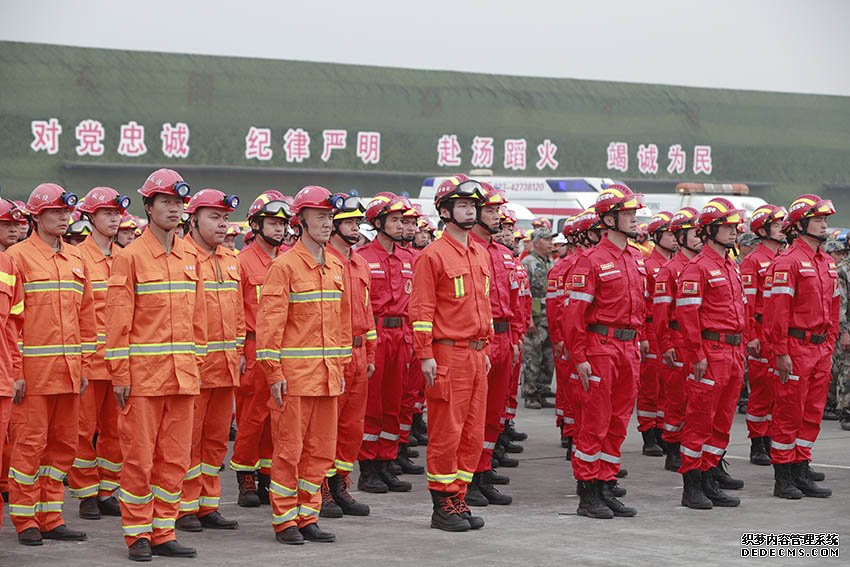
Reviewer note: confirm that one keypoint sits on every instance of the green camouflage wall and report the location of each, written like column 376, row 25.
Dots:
column 780, row 143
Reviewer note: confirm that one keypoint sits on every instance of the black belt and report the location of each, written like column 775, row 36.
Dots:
column 649, row 319
column 674, row 325
column 759, row 317
column 474, row 345
column 390, row 322
column 606, row 331
column 357, row 341
column 501, row 326
column 807, row 335
column 733, row 340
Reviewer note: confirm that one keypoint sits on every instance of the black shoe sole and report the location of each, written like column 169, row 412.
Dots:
column 459, row 529
column 587, row 514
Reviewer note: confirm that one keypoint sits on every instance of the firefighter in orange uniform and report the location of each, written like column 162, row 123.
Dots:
column 252, row 450
column 59, row 338
column 303, row 343
column 11, row 308
column 209, row 210
column 452, row 326
column 801, row 319
column 336, row 499
column 95, row 474
column 156, row 329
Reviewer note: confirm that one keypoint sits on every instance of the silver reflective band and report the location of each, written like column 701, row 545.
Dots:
column 322, row 295
column 579, row 296
column 689, row 301
column 165, row 287
column 782, row 290
column 662, row 299
column 713, row 450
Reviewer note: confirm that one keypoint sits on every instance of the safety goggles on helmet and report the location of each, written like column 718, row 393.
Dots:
column 279, row 209
column 81, row 227
column 470, row 189
column 349, row 207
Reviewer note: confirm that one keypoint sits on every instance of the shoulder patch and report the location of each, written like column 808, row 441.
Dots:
column 607, row 266
column 690, row 288
column 579, row 280
column 660, row 287
column 780, row 277
column 715, row 273
column 806, row 264
column 764, row 264
column 747, row 279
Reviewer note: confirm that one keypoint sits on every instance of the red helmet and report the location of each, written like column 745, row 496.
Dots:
column 50, row 196
column 458, row 186
column 78, row 226
column 765, row 215
column 233, row 229
column 425, row 224
column 720, row 211
column 167, row 182
column 659, row 222
column 618, row 197
column 128, row 221
column 806, row 207
column 586, row 220
column 684, row 219
column 385, row 203
column 9, row 212
column 507, row 215
column 542, row 222
column 415, row 211
column 492, row 196
column 569, row 227
column 270, row 203
column 313, row 197
column 213, row 199
column 103, row 198
column 350, row 208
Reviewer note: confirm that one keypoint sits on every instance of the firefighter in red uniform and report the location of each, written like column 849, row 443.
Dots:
column 336, row 500
column 556, row 294
column 391, row 267
column 649, row 406
column 452, row 325
column 606, row 313
column 504, row 350
column 801, row 326
column 96, row 471
column 252, row 451
column 710, row 312
column 766, row 223
column 668, row 334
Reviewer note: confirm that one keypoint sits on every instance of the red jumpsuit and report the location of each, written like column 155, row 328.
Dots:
column 504, row 300
column 252, row 449
column 650, row 410
column 452, row 323
column 11, row 308
column 804, row 302
column 710, row 312
column 412, row 392
column 557, row 299
column 668, row 335
column 392, row 282
column 352, row 402
column 754, row 271
column 608, row 296
column 523, row 319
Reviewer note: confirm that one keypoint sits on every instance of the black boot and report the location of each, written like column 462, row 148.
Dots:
column 510, row 428
column 89, row 509
column 412, row 441
column 712, row 490
column 758, row 452
column 692, row 494
column 290, row 536
column 674, row 459
column 173, row 549
column 370, row 481
column 394, row 484
column 607, row 496
column 783, row 486
column 30, row 537
column 330, row 509
column 339, row 491
column 475, row 522
column 508, row 445
column 659, row 439
column 446, row 515
column 247, row 490
column 411, row 452
column 492, row 494
column 109, row 507
column 650, row 447
column 140, row 550
column 408, row 466
column 263, row 483
column 804, row 481
column 62, row 533
column 724, row 480
column 474, row 497
column 215, row 521
column 567, row 443
column 492, row 477
column 590, row 504
column 815, row 475
column 419, row 429
column 502, row 459
column 312, row 532
column 617, row 490
column 622, row 473
column 188, row 523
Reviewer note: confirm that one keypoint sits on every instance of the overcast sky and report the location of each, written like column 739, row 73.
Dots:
column 777, row 45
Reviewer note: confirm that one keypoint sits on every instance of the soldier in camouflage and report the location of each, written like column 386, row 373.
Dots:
column 838, row 399
column 538, row 364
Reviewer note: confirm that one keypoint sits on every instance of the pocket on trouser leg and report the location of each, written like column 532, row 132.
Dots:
column 441, row 390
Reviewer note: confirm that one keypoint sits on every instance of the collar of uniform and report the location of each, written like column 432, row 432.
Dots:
column 46, row 250
column 481, row 241
column 658, row 256
column 381, row 251
column 765, row 250
column 257, row 250
column 331, row 250
column 711, row 253
column 808, row 250
column 202, row 253
column 461, row 249
column 93, row 248
column 612, row 248
column 306, row 255
column 155, row 246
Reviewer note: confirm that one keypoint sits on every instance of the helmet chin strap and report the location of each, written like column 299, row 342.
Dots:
column 712, row 235
column 805, row 232
column 658, row 244
column 616, row 227
column 682, row 239
column 350, row 240
column 766, row 229
column 384, row 232
column 467, row 225
column 275, row 242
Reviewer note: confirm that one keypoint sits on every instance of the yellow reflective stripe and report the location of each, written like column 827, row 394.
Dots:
column 101, row 338
column 486, row 285
column 344, row 466
column 108, row 485
column 84, row 463
column 282, row 490
column 21, row 510
column 130, row 498
column 86, row 492
column 210, row 501
column 53, row 285
column 210, row 470
column 244, row 468
column 17, row 308
column 259, row 292
column 372, row 335
column 88, row 347
column 164, row 495
column 8, row 279
column 22, row 478
column 154, row 349
column 423, row 326
column 193, row 472
column 51, row 350
column 98, row 286
column 49, row 507
column 311, row 296
column 308, row 511
column 109, row 465
column 221, row 346
column 163, row 523
column 465, row 476
column 308, row 486
column 240, row 341
column 331, row 473
column 136, row 530
column 179, row 286
column 265, row 463
column 229, row 285
column 442, row 478
column 189, row 506
column 287, row 516
column 117, row 353
column 315, row 352
column 51, row 473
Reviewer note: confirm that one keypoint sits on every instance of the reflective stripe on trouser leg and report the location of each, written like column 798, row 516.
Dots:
column 383, row 403
column 456, row 406
column 674, row 400
column 304, row 433
column 98, row 468
column 498, row 379
column 411, row 386
column 648, row 394
column 352, row 408
column 727, row 403
column 623, row 393
column 760, row 400
column 253, row 435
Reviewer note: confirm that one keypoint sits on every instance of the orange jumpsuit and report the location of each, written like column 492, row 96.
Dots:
column 252, row 449
column 96, row 471
column 59, row 338
column 11, row 307
column 304, row 338
column 219, row 377
column 156, row 329
column 453, row 323
column 352, row 402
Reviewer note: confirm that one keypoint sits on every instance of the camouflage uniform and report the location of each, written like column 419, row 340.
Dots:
column 538, row 362
column 840, row 387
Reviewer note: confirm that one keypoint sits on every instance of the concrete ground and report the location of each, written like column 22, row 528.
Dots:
column 540, row 528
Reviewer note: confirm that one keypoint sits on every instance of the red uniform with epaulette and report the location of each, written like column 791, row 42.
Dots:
column 650, row 412
column 522, row 319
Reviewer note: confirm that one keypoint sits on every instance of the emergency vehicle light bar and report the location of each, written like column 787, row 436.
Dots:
column 716, row 188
